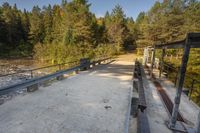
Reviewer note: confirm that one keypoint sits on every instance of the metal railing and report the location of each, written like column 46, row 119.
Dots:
column 142, row 119
column 138, row 75
column 37, row 80
column 167, row 68
column 40, row 68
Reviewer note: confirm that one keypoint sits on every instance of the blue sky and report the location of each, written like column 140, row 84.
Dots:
column 131, row 7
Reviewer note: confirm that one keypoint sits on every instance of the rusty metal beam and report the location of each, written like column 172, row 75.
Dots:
column 194, row 42
column 172, row 45
column 181, row 79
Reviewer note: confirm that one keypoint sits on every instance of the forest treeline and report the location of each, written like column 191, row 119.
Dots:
column 63, row 32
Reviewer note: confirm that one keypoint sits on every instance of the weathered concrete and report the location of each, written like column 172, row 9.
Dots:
column 157, row 114
column 156, row 111
column 95, row 101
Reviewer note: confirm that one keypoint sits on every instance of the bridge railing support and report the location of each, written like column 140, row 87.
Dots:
column 33, row 88
column 181, row 79
column 162, row 62
column 152, row 61
column 192, row 41
column 61, row 77
column 146, row 56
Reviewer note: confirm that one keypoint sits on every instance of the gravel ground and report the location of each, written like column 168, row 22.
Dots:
column 95, row 101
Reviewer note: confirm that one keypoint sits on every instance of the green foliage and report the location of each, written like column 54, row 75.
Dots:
column 120, row 30
column 169, row 21
column 14, row 27
column 105, row 50
column 56, row 53
column 37, row 31
column 70, row 25
column 59, row 53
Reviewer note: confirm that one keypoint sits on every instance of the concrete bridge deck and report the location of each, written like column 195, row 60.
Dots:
column 95, row 101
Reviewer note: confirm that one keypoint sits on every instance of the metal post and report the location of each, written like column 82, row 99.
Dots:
column 162, row 62
column 145, row 56
column 185, row 57
column 59, row 65
column 191, row 89
column 153, row 60
column 175, row 79
column 167, row 71
column 198, row 124
column 31, row 74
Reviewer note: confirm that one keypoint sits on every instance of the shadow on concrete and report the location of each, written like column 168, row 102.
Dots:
column 119, row 70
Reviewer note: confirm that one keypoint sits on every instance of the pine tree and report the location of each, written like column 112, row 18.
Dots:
column 117, row 29
column 58, row 29
column 48, row 20
column 25, row 25
column 36, row 26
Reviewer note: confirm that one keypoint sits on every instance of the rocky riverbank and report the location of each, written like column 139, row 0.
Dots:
column 18, row 66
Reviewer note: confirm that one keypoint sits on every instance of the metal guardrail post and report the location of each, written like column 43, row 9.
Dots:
column 175, row 79
column 191, row 89
column 33, row 88
column 167, row 72
column 162, row 62
column 31, row 74
column 59, row 65
column 152, row 61
column 76, row 72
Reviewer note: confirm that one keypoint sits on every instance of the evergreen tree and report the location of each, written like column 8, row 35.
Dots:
column 36, row 25
column 117, row 29
column 57, row 26
column 25, row 25
column 48, row 20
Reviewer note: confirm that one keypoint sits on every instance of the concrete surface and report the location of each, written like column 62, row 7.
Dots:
column 96, row 101
column 157, row 113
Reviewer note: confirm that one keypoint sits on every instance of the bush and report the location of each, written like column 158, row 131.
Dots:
column 105, row 50
column 59, row 53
